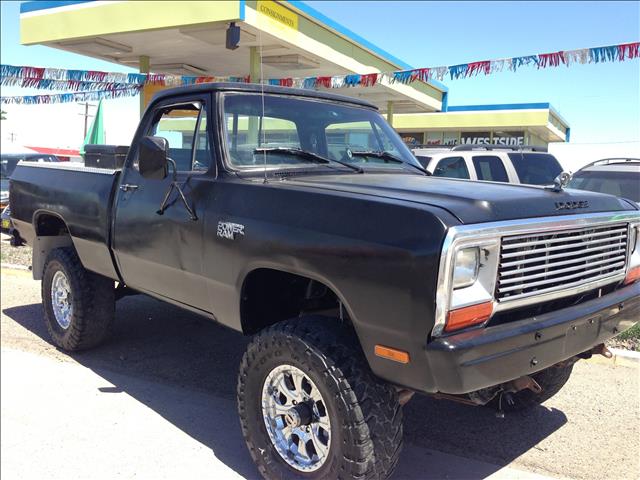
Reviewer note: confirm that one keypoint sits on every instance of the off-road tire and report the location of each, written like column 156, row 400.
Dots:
column 92, row 298
column 551, row 380
column 366, row 418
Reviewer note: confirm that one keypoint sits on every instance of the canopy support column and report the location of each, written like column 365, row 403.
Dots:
column 390, row 112
column 144, row 68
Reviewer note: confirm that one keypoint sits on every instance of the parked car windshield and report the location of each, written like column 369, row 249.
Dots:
column 535, row 168
column 619, row 183
column 328, row 129
column 9, row 161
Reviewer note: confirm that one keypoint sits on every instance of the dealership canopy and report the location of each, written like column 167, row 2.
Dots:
column 190, row 38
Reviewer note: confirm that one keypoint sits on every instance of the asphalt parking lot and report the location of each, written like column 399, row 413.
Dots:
column 157, row 401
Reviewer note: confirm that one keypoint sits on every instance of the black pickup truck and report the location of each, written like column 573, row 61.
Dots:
column 300, row 218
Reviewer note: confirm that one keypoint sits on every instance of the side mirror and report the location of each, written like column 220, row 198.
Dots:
column 152, row 157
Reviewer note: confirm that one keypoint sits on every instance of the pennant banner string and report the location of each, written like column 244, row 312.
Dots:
column 89, row 96
column 84, row 82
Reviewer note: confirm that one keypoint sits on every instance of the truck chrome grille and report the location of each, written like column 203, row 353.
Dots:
column 540, row 263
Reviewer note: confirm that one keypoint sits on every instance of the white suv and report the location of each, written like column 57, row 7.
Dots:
column 615, row 176
column 494, row 163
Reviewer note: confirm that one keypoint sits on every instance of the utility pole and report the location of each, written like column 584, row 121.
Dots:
column 86, row 116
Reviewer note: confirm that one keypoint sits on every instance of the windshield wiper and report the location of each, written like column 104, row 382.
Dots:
column 387, row 156
column 314, row 157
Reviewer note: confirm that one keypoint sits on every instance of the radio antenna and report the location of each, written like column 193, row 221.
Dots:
column 261, row 130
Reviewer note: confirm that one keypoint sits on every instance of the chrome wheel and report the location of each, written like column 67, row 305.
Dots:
column 296, row 418
column 61, row 299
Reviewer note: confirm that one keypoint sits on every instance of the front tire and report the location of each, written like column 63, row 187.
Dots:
column 79, row 306
column 345, row 422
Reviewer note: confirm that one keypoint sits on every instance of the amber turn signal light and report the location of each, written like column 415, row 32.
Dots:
column 632, row 275
column 391, row 354
column 467, row 316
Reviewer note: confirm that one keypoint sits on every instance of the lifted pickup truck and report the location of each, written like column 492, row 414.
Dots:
column 300, row 218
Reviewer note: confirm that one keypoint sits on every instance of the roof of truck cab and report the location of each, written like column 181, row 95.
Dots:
column 257, row 88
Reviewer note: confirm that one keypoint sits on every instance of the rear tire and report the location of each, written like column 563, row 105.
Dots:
column 361, row 414
column 79, row 305
column 551, row 380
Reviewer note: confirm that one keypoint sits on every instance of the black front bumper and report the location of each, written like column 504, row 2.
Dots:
column 482, row 358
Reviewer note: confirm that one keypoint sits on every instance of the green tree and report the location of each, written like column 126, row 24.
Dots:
column 3, row 115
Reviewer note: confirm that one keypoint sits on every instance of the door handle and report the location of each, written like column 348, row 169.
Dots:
column 125, row 187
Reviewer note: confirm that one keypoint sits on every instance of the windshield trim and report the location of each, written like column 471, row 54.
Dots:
column 222, row 132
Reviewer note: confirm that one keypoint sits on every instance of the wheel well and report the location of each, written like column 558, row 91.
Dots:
column 49, row 225
column 270, row 296
column 51, row 233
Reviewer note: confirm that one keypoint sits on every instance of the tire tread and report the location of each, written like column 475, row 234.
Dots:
column 372, row 416
column 93, row 303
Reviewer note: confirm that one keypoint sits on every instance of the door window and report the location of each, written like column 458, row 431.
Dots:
column 490, row 167
column 184, row 126
column 452, row 167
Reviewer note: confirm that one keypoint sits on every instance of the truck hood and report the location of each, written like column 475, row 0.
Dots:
column 469, row 201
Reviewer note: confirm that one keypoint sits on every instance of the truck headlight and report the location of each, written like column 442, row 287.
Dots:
column 466, row 282
column 633, row 238
column 633, row 266
column 465, row 269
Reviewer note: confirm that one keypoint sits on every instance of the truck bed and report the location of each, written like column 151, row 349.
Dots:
column 82, row 197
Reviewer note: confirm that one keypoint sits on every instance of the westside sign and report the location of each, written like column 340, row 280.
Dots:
column 278, row 13
column 511, row 141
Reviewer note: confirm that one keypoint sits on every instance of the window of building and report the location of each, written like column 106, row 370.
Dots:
column 450, row 138
column 433, row 138
column 412, row 138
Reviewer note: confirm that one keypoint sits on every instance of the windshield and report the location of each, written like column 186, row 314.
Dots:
column 329, row 130
column 535, row 168
column 621, row 184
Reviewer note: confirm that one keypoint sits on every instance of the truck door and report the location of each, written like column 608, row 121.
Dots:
column 161, row 253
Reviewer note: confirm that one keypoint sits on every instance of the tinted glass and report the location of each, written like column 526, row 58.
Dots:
column 489, row 167
column 452, row 167
column 424, row 160
column 620, row 184
column 535, row 168
column 8, row 165
column 328, row 129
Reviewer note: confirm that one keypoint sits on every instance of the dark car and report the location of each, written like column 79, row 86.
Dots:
column 615, row 176
column 301, row 219
column 5, row 218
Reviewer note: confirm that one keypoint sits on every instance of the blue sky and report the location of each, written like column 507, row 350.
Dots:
column 601, row 102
